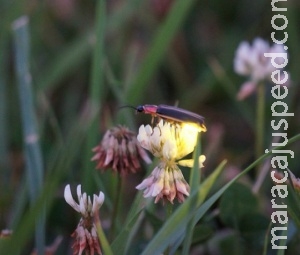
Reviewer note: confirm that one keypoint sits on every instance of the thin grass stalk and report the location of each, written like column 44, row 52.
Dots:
column 265, row 167
column 116, row 207
column 97, row 88
column 104, row 244
column 169, row 211
column 266, row 241
column 123, row 116
column 293, row 41
column 228, row 86
column 65, row 62
column 260, row 121
column 194, row 183
column 19, row 204
column 191, row 208
column 5, row 174
column 158, row 49
column 75, row 53
column 33, row 155
column 175, row 227
column 57, row 171
column 283, row 241
column 134, row 218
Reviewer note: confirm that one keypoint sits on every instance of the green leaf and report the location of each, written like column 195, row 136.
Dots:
column 96, row 93
column 202, row 233
column 235, row 203
column 119, row 245
column 177, row 222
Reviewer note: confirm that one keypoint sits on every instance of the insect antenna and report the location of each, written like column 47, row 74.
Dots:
column 127, row 106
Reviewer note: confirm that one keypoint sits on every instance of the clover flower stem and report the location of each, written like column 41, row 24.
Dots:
column 169, row 211
column 195, row 179
column 195, row 172
column 260, row 120
column 101, row 236
column 116, row 207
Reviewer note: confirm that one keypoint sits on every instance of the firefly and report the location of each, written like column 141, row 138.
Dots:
column 172, row 114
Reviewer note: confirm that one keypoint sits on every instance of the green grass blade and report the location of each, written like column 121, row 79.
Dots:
column 195, row 171
column 96, row 92
column 157, row 50
column 33, row 155
column 73, row 55
column 201, row 211
column 266, row 241
column 133, row 220
column 231, row 90
column 205, row 189
column 102, row 238
column 194, row 184
column 57, row 171
column 120, row 244
column 65, row 62
column 178, row 221
column 123, row 13
column 283, row 241
column 4, row 175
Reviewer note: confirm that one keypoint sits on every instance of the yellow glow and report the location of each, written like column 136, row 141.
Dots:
column 191, row 126
column 168, row 141
column 194, row 126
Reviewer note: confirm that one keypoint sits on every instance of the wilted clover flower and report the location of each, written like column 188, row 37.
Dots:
column 120, row 151
column 5, row 233
column 170, row 143
column 250, row 61
column 85, row 235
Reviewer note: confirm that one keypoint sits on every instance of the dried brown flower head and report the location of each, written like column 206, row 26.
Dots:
column 120, row 151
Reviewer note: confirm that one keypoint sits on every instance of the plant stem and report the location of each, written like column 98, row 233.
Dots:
column 260, row 121
column 116, row 207
column 169, row 211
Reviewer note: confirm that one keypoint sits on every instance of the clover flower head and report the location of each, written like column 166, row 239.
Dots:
column 250, row 61
column 167, row 141
column 167, row 182
column 120, row 151
column 170, row 143
column 85, row 236
column 5, row 233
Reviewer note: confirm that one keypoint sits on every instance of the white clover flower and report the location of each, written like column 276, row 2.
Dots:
column 85, row 206
column 170, row 143
column 85, row 234
column 250, row 61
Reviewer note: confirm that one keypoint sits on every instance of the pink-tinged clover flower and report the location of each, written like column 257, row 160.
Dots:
column 250, row 61
column 85, row 236
column 5, row 233
column 170, row 143
column 120, row 151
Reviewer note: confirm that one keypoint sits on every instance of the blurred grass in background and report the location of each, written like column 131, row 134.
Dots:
column 88, row 58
